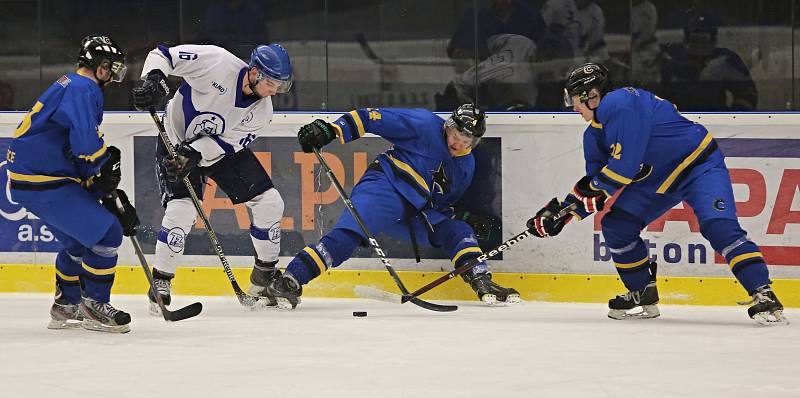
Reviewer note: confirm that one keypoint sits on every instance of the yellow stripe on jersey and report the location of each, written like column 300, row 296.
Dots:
column 616, row 177
column 315, row 257
column 338, row 132
column 410, row 171
column 596, row 125
column 26, row 121
column 94, row 156
column 38, row 178
column 685, row 163
column 359, row 123
column 631, row 265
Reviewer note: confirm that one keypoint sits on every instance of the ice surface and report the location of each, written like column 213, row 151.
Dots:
column 321, row 350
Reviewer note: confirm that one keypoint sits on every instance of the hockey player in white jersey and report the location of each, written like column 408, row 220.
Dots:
column 222, row 105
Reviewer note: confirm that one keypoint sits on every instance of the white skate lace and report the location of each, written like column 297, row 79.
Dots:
column 635, row 296
column 759, row 296
column 162, row 286
column 106, row 309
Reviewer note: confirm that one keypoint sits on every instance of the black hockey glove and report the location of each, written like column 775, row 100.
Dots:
column 126, row 215
column 316, row 134
column 545, row 224
column 482, row 225
column 110, row 174
column 585, row 197
column 186, row 159
column 151, row 92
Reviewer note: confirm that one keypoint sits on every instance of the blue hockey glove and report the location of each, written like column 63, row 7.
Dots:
column 585, row 197
column 315, row 135
column 186, row 159
column 545, row 224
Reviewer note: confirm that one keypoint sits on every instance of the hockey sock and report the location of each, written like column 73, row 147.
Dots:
column 175, row 227
column 99, row 264
column 265, row 231
column 331, row 251
column 743, row 256
column 631, row 259
column 68, row 271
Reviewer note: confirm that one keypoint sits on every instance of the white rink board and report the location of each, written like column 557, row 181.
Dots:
column 542, row 158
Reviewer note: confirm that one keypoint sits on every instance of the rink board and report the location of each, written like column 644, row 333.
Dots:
column 525, row 160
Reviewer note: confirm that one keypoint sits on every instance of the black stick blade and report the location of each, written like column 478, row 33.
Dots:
column 189, row 311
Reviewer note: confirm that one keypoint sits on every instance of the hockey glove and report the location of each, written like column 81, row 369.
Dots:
column 545, row 224
column 186, row 159
column 151, row 92
column 110, row 174
column 315, row 135
column 126, row 215
column 481, row 225
column 585, row 197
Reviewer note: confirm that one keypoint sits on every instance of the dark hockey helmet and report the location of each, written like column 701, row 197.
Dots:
column 581, row 80
column 96, row 48
column 699, row 25
column 272, row 62
column 470, row 121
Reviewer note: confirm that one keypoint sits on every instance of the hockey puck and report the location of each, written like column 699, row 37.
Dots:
column 360, row 313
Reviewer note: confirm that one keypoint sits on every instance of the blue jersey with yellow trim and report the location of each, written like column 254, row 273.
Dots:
column 59, row 139
column 419, row 164
column 639, row 138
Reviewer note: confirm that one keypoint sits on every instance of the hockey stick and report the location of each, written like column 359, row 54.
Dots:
column 171, row 316
column 374, row 243
column 244, row 298
column 483, row 257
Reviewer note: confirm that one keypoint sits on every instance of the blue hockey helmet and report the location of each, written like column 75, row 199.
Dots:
column 272, row 62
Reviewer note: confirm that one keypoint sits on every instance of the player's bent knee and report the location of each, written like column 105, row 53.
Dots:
column 179, row 212
column 110, row 243
column 267, row 207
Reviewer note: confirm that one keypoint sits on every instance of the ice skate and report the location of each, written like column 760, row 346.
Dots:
column 766, row 309
column 639, row 304
column 64, row 315
column 286, row 291
column 488, row 291
column 163, row 282
column 102, row 317
column 263, row 274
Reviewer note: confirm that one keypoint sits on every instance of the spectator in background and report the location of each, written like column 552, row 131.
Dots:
column 592, row 23
column 696, row 75
column 507, row 33
column 644, row 44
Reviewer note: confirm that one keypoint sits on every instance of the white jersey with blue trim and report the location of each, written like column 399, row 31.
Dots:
column 209, row 109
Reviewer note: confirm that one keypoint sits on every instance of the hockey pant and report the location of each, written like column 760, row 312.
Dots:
column 244, row 180
column 383, row 210
column 710, row 195
column 89, row 235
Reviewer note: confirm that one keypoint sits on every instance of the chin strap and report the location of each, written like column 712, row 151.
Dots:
column 252, row 86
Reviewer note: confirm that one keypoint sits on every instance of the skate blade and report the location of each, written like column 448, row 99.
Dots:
column 285, row 305
column 646, row 312
column 489, row 299
column 263, row 304
column 93, row 325
column 513, row 299
column 771, row 319
column 56, row 324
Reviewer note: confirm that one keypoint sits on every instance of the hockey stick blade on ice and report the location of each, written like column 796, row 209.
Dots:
column 374, row 243
column 244, row 298
column 171, row 316
column 483, row 257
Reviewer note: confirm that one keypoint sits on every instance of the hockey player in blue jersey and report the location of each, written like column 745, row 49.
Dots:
column 60, row 169
column 639, row 142
column 414, row 183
